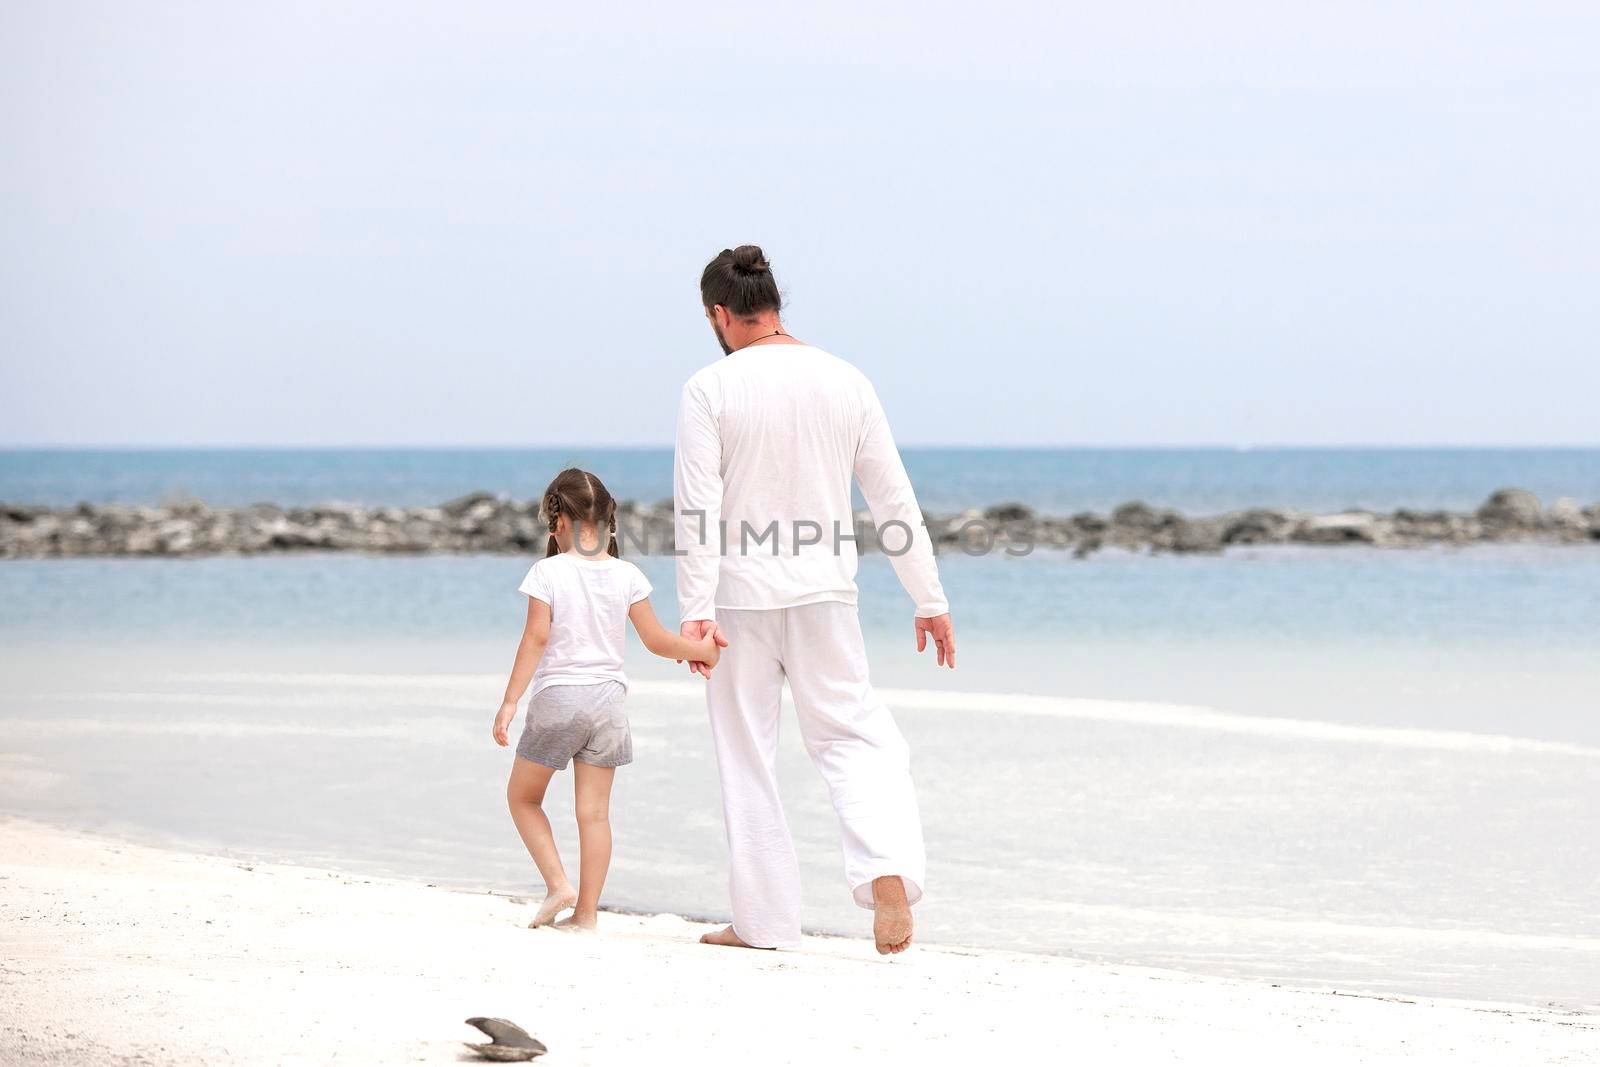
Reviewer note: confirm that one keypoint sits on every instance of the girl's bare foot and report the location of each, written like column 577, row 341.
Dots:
column 576, row 922
column 891, row 921
column 554, row 904
column 728, row 939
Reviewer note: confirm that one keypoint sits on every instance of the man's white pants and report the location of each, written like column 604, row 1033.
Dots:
column 852, row 739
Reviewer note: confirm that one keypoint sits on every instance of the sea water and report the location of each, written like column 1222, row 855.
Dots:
column 1053, row 481
column 1368, row 770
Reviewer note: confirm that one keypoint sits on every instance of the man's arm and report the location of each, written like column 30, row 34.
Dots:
column 697, row 518
column 901, row 535
column 889, row 495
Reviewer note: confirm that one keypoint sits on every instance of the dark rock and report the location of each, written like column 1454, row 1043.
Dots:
column 1008, row 513
column 287, row 536
column 1136, row 515
column 957, row 528
column 1511, row 507
column 1333, row 529
column 1196, row 535
column 1257, row 526
column 461, row 505
column 1089, row 522
column 187, row 507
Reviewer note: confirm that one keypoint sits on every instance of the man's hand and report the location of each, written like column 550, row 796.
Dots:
column 944, row 638
column 697, row 630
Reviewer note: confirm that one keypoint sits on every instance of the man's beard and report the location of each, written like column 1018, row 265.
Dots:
column 717, row 329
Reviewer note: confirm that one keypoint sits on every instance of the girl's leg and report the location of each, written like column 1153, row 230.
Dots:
column 592, row 801
column 525, row 795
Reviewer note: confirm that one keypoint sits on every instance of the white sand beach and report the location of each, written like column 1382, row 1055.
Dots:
column 118, row 953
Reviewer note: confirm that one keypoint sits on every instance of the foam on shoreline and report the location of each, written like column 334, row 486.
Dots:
column 446, row 690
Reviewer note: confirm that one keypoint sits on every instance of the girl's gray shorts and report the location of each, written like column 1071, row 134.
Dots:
column 584, row 722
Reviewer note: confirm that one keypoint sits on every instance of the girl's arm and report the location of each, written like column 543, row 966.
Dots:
column 535, row 635
column 669, row 645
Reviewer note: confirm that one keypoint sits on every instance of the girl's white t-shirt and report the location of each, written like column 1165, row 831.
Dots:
column 589, row 598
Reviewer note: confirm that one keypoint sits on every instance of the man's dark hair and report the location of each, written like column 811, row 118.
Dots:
column 740, row 279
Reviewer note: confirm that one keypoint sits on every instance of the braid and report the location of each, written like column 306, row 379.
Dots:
column 552, row 511
column 611, row 524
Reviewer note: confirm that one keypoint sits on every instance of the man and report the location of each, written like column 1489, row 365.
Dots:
column 768, row 439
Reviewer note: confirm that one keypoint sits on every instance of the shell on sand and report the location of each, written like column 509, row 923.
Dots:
column 509, row 1042
column 503, row 1053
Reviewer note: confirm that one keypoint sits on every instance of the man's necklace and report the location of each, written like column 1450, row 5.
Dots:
column 763, row 337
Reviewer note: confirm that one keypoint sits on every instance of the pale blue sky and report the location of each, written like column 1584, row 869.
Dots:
column 1313, row 223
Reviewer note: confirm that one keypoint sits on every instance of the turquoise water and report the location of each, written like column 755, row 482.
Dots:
column 1500, row 639
column 1531, row 596
column 1051, row 480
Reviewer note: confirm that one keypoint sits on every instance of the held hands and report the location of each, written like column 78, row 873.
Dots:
column 706, row 634
column 502, row 723
column 944, row 638
column 710, row 651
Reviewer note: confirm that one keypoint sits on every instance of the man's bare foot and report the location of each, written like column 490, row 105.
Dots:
column 577, row 923
column 728, row 939
column 554, row 904
column 891, row 921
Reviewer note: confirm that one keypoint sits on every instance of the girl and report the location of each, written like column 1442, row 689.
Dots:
column 579, row 597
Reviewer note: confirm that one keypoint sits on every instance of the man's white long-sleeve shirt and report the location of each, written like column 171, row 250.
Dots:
column 768, row 439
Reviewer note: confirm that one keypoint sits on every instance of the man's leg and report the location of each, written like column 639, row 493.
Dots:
column 856, row 745
column 744, row 697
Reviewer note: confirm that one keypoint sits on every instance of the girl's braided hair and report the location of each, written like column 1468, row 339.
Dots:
column 582, row 498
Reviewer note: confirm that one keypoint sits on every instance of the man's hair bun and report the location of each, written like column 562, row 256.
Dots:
column 749, row 259
column 740, row 279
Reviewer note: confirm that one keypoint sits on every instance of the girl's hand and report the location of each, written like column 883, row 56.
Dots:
column 502, row 723
column 710, row 652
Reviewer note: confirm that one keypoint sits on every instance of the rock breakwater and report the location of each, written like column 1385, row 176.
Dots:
column 485, row 523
